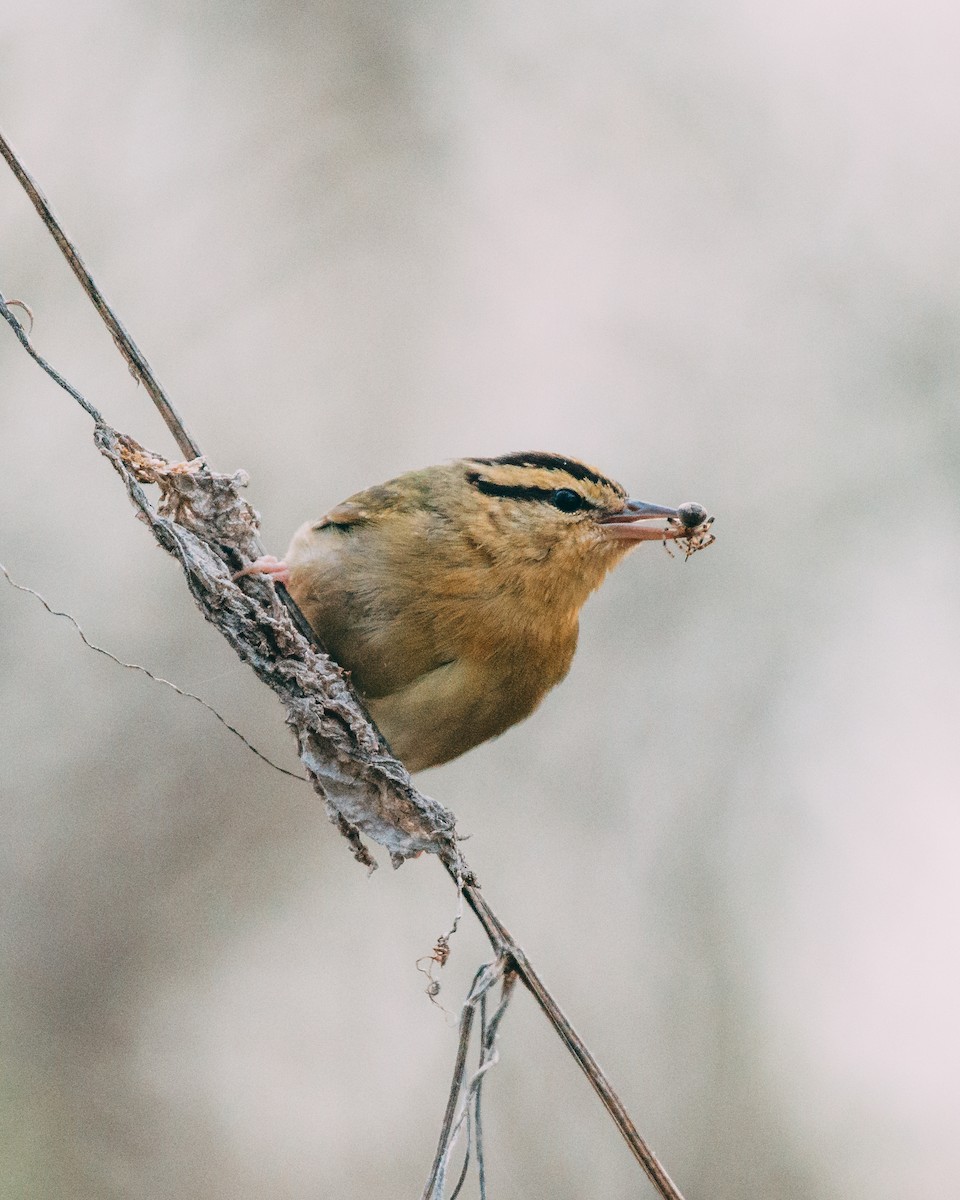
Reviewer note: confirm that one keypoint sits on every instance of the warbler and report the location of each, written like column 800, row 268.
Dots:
column 452, row 594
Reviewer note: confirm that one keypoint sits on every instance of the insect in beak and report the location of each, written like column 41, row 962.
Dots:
column 628, row 524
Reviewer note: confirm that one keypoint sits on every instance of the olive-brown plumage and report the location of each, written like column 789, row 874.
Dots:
column 452, row 594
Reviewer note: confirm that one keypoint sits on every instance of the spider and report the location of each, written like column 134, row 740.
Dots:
column 693, row 520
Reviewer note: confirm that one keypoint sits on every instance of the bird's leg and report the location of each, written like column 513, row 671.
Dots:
column 267, row 564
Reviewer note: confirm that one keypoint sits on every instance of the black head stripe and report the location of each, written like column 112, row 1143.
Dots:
column 511, row 491
column 550, row 462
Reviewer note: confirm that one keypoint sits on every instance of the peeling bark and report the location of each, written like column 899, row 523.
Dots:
column 204, row 522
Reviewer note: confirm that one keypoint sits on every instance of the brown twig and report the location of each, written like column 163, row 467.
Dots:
column 505, row 944
column 120, row 450
column 139, row 367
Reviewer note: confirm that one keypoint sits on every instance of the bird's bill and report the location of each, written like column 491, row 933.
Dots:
column 629, row 524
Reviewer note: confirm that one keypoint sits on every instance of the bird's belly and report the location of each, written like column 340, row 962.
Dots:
column 440, row 672
column 455, row 707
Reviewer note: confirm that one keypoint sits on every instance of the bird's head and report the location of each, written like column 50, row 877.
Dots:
column 531, row 524
column 552, row 516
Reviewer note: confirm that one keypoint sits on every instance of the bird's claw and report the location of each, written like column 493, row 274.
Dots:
column 266, row 564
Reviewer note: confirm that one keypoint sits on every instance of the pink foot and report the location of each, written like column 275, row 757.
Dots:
column 267, row 564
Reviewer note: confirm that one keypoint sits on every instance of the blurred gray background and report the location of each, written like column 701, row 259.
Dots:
column 711, row 248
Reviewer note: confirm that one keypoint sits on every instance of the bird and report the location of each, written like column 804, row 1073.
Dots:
column 452, row 594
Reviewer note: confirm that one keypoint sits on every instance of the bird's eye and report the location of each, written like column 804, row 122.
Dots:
column 567, row 500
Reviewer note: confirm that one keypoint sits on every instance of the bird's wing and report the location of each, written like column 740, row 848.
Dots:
column 347, row 513
column 439, row 715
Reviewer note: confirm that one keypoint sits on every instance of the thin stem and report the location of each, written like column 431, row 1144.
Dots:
column 125, row 343
column 503, row 943
column 446, row 1127
column 56, row 612
column 42, row 363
